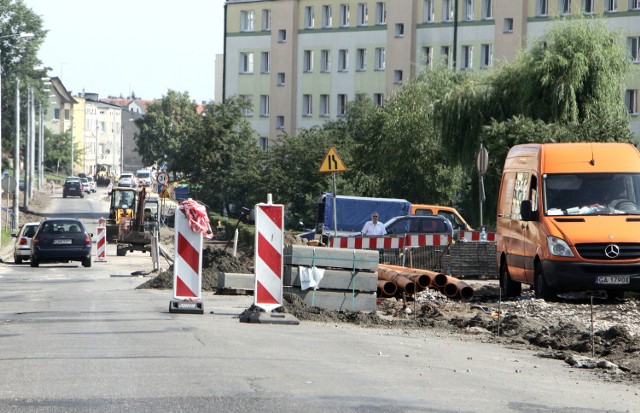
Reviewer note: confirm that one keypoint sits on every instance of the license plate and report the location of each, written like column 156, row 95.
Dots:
column 613, row 279
column 62, row 241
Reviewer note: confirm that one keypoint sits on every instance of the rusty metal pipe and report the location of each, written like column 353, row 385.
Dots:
column 456, row 288
column 386, row 288
column 422, row 280
column 403, row 283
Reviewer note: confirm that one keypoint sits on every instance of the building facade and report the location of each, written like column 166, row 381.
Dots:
column 299, row 62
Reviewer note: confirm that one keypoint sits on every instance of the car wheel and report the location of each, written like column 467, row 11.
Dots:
column 121, row 252
column 508, row 287
column 34, row 262
column 541, row 287
column 86, row 262
column 64, row 195
column 17, row 260
column 81, row 195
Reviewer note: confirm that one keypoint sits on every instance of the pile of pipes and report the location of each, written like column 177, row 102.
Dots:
column 393, row 280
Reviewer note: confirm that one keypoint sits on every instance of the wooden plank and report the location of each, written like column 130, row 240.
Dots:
column 336, row 300
column 331, row 257
column 336, row 279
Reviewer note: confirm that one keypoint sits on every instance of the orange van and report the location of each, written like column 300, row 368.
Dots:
column 568, row 219
column 450, row 213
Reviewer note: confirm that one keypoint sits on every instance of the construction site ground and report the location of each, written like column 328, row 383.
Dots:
column 579, row 330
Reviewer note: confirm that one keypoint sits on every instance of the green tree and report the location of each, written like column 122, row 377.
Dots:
column 168, row 129
column 18, row 60
column 57, row 154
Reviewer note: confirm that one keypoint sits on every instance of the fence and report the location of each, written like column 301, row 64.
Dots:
column 8, row 218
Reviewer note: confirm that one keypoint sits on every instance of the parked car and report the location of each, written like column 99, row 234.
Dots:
column 86, row 187
column 419, row 224
column 61, row 240
column 128, row 180
column 93, row 186
column 72, row 187
column 22, row 246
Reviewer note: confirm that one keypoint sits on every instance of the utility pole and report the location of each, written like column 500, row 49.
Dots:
column 16, row 159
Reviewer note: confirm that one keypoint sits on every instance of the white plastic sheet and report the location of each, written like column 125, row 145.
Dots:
column 310, row 277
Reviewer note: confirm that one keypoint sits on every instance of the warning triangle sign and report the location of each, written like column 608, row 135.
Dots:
column 332, row 162
column 164, row 193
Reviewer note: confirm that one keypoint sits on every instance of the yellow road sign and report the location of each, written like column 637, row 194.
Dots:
column 164, row 193
column 332, row 162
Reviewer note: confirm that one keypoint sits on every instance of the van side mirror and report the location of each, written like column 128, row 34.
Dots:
column 526, row 213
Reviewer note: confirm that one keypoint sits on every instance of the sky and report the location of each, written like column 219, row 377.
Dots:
column 120, row 47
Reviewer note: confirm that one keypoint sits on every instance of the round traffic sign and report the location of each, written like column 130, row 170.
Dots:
column 163, row 178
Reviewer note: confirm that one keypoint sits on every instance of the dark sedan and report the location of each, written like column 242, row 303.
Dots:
column 61, row 240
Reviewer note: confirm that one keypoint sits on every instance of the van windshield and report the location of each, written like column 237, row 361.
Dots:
column 591, row 194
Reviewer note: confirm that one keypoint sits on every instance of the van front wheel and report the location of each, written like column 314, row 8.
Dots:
column 508, row 287
column 542, row 288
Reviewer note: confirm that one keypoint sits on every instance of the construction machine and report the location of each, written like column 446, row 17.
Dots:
column 104, row 174
column 131, row 223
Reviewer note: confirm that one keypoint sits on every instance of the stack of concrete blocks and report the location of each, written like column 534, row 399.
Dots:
column 349, row 282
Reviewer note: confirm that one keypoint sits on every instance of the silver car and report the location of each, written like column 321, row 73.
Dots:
column 22, row 246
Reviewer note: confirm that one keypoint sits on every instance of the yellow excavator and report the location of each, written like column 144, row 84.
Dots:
column 127, row 224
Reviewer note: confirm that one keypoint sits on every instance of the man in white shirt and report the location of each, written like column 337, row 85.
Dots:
column 373, row 227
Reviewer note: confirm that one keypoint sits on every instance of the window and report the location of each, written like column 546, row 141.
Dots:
column 307, row 109
column 324, row 105
column 246, row 20
column 246, row 62
column 508, row 25
column 428, row 11
column 447, row 10
column 325, row 61
column 326, row 16
column 381, row 12
column 486, row 56
column 445, row 52
column 378, row 99
column 308, row 61
column 397, row 76
column 264, row 105
column 361, row 59
column 247, row 110
column 487, row 9
column 634, row 48
column 280, row 79
column 264, row 143
column 467, row 10
column 631, row 101
column 279, row 122
column 611, row 6
column 342, row 105
column 379, row 58
column 564, row 6
column 265, row 62
column 427, row 56
column 634, row 4
column 542, row 7
column 399, row 29
column 467, row 57
column 343, row 56
column 363, row 14
column 56, row 114
column 282, row 36
column 344, row 15
column 308, row 17
column 587, row 6
column 67, row 113
column 266, row 20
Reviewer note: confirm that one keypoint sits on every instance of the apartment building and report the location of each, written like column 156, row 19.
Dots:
column 299, row 62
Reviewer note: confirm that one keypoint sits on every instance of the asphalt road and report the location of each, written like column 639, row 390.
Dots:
column 76, row 339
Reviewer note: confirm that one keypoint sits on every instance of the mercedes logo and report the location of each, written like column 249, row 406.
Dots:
column 612, row 250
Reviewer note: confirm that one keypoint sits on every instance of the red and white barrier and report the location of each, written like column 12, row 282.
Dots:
column 367, row 242
column 475, row 236
column 268, row 255
column 390, row 242
column 101, row 244
column 187, row 266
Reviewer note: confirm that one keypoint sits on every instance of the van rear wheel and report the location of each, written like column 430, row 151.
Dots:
column 508, row 287
column 541, row 287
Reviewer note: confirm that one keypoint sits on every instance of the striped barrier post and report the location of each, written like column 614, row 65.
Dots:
column 187, row 267
column 269, row 261
column 101, row 244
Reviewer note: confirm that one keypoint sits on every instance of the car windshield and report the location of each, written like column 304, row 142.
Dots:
column 591, row 194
